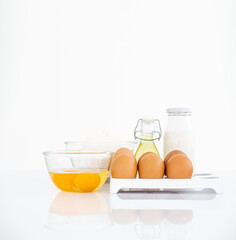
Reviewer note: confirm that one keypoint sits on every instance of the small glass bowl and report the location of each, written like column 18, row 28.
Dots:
column 77, row 171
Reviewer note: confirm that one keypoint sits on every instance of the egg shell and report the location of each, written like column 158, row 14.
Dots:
column 121, row 151
column 124, row 166
column 179, row 166
column 144, row 154
column 172, row 153
column 150, row 165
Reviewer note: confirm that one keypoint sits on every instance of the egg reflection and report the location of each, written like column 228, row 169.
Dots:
column 123, row 216
column 179, row 217
column 151, row 216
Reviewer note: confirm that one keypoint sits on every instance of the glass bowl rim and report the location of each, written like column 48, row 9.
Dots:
column 100, row 143
column 73, row 152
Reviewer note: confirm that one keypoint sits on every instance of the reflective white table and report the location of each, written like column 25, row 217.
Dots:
column 33, row 208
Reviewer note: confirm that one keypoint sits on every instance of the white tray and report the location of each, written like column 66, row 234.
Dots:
column 180, row 201
column 197, row 182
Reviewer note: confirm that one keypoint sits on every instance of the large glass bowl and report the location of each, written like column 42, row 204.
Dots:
column 101, row 146
column 111, row 146
column 77, row 171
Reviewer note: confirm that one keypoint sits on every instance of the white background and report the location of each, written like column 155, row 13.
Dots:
column 82, row 70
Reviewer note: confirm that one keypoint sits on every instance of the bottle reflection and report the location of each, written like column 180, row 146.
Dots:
column 164, row 224
column 149, row 225
column 179, row 224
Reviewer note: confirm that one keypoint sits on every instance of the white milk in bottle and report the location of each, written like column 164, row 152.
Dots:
column 178, row 132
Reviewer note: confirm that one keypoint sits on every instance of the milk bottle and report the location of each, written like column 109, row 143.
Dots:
column 178, row 133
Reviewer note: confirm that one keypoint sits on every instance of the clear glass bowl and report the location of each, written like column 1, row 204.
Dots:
column 100, row 146
column 77, row 171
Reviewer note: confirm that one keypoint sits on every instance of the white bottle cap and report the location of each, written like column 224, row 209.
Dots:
column 179, row 110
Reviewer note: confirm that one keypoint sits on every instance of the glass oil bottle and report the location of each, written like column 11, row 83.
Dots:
column 147, row 131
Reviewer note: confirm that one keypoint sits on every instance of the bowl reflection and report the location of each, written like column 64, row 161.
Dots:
column 76, row 212
column 72, row 204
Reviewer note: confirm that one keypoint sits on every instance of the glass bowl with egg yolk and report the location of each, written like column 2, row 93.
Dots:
column 76, row 171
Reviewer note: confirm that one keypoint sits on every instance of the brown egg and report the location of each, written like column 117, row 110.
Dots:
column 124, row 166
column 150, row 165
column 123, row 151
column 172, row 153
column 179, row 166
column 120, row 151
